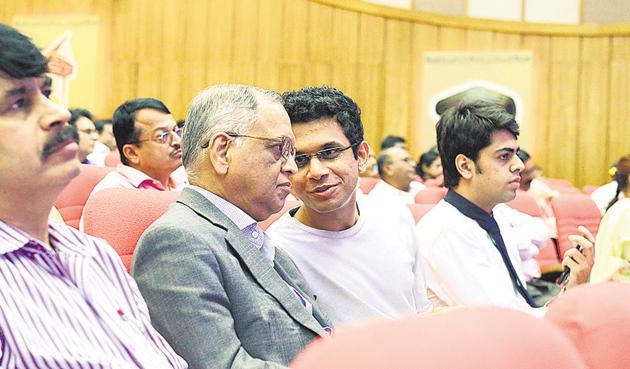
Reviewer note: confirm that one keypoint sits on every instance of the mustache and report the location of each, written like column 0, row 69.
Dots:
column 55, row 141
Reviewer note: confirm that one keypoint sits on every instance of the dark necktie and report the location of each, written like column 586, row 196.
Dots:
column 486, row 222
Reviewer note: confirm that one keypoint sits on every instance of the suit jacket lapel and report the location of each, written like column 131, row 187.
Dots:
column 258, row 266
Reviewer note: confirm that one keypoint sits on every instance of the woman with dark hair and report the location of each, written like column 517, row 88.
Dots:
column 612, row 254
column 429, row 165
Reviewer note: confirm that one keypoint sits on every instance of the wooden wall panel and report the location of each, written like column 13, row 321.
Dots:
column 374, row 54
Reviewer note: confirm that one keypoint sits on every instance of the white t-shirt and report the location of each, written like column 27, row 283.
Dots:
column 463, row 266
column 603, row 195
column 373, row 269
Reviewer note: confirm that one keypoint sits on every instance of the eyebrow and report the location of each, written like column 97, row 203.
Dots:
column 508, row 149
column 16, row 91
column 327, row 145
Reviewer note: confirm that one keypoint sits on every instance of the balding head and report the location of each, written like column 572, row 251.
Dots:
column 396, row 167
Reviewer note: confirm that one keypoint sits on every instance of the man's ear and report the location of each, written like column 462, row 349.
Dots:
column 363, row 153
column 218, row 152
column 131, row 153
column 464, row 166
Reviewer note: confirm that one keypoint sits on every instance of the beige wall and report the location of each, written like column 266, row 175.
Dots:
column 606, row 11
column 581, row 74
column 448, row 7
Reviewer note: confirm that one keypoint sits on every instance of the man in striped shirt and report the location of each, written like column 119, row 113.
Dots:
column 66, row 300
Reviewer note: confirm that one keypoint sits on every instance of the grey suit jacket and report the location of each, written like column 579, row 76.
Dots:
column 214, row 297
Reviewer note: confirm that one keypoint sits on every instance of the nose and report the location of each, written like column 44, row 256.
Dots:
column 317, row 169
column 518, row 165
column 289, row 166
column 51, row 115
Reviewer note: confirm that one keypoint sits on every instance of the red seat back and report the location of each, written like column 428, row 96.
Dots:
column 467, row 338
column 572, row 211
column 526, row 203
column 430, row 195
column 120, row 216
column 419, row 210
column 596, row 317
column 366, row 184
column 71, row 200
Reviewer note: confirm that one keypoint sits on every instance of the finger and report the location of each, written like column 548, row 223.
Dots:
column 585, row 244
column 587, row 234
column 573, row 257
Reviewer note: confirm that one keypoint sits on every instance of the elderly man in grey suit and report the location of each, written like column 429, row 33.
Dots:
column 216, row 287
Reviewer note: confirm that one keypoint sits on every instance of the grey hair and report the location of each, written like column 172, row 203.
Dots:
column 222, row 108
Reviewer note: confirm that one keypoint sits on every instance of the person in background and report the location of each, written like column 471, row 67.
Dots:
column 105, row 144
column 66, row 300
column 612, row 255
column 429, row 168
column 393, row 141
column 83, row 123
column 603, row 195
column 397, row 171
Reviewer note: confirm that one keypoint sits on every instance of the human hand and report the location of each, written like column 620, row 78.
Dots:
column 580, row 262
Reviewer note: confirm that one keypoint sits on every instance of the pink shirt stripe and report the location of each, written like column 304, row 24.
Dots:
column 74, row 307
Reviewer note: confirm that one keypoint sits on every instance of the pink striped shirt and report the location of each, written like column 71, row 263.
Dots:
column 75, row 307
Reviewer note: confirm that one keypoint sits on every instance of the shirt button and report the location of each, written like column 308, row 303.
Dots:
column 255, row 234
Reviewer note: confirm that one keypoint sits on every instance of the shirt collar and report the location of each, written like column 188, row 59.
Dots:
column 233, row 212
column 62, row 237
column 472, row 211
column 139, row 179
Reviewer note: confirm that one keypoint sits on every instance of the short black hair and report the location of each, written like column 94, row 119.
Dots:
column 391, row 141
column 125, row 130
column 77, row 113
column 313, row 103
column 427, row 159
column 101, row 123
column 466, row 129
column 19, row 57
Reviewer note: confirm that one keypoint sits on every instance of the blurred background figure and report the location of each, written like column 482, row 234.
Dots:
column 608, row 192
column 393, row 141
column 83, row 122
column 429, row 168
column 397, row 171
column 612, row 253
column 105, row 143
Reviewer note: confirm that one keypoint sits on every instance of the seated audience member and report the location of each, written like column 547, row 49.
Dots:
column 149, row 142
column 83, row 123
column 538, row 189
column 612, row 255
column 603, row 195
column 360, row 257
column 217, row 288
column 371, row 167
column 105, row 144
column 393, row 141
column 397, row 171
column 66, row 300
column 429, row 166
column 470, row 250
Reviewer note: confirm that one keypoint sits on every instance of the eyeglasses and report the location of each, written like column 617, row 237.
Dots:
column 283, row 147
column 332, row 153
column 165, row 138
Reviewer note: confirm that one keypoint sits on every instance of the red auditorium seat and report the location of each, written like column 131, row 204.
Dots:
column 467, row 338
column 120, row 215
column 596, row 317
column 71, row 200
column 526, row 203
column 430, row 195
column 112, row 159
column 572, row 211
column 561, row 185
column 589, row 189
column 366, row 184
column 419, row 210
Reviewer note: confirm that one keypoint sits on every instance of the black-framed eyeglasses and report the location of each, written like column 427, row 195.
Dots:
column 283, row 147
column 332, row 153
column 165, row 138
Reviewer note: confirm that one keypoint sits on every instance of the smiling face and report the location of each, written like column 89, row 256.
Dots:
column 327, row 187
column 495, row 176
column 36, row 144
column 258, row 176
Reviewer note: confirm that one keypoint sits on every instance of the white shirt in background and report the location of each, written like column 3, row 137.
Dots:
column 386, row 193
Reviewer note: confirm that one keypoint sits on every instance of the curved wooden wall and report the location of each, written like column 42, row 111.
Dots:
column 171, row 49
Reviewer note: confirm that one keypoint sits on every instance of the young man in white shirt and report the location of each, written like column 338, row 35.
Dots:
column 361, row 258
column 469, row 247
